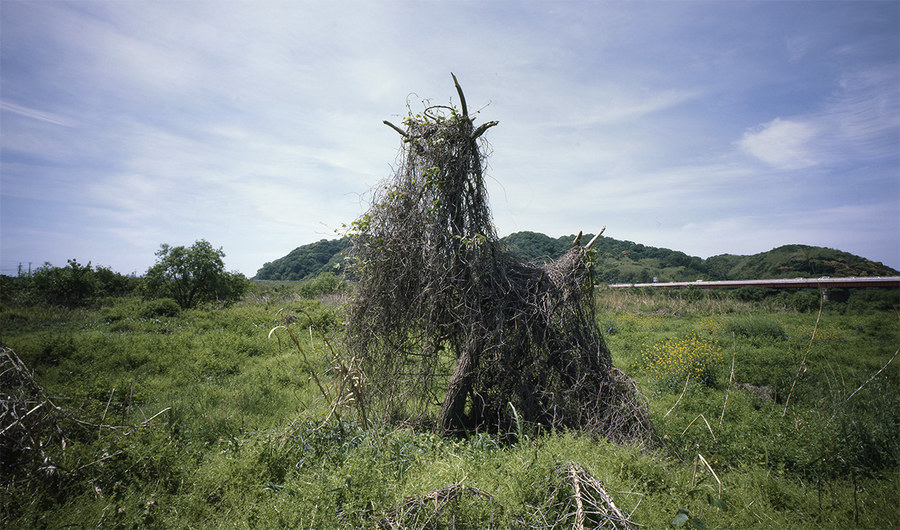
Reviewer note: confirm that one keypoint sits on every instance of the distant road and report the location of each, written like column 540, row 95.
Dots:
column 795, row 283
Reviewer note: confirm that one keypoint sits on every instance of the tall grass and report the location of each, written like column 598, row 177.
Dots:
column 248, row 444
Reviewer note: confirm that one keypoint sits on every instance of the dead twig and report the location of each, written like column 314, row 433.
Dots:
column 429, row 510
column 31, row 422
column 873, row 375
column 730, row 377
column 677, row 401
column 581, row 500
column 704, row 421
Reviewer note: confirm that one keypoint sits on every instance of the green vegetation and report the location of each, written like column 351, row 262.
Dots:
column 186, row 276
column 678, row 359
column 307, row 261
column 620, row 261
column 794, row 261
column 75, row 285
column 246, row 439
column 193, row 275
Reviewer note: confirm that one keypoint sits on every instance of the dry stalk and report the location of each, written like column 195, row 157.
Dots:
column 873, row 375
column 348, row 376
column 802, row 366
column 709, row 467
column 579, row 505
column 730, row 377
column 704, row 421
column 296, row 341
column 677, row 401
column 105, row 410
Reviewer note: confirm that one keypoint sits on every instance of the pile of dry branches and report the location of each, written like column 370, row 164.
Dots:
column 447, row 323
column 29, row 423
column 575, row 499
column 435, row 509
column 33, row 426
column 580, row 501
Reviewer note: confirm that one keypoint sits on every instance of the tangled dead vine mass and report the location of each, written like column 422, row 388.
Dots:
column 454, row 330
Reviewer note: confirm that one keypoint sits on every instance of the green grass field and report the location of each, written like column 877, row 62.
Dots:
column 765, row 417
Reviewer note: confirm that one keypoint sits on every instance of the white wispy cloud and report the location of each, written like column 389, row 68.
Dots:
column 783, row 144
column 257, row 125
column 858, row 119
column 864, row 112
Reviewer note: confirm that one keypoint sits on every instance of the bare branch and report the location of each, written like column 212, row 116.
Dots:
column 595, row 238
column 462, row 98
column 483, row 127
column 398, row 129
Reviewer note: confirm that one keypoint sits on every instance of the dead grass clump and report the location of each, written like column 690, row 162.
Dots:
column 440, row 508
column 575, row 499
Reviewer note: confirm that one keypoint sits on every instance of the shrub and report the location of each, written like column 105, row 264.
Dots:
column 325, row 283
column 749, row 294
column 871, row 300
column 673, row 360
column 111, row 283
column 70, row 286
column 164, row 307
column 194, row 275
column 75, row 285
column 804, row 300
column 755, row 327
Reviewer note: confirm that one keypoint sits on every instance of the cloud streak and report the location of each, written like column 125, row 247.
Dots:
column 257, row 126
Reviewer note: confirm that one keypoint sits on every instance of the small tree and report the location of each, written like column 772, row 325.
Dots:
column 192, row 275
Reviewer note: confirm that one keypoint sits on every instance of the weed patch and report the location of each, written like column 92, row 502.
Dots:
column 248, row 440
column 672, row 361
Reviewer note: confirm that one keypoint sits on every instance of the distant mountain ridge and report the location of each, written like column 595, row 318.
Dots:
column 620, row 261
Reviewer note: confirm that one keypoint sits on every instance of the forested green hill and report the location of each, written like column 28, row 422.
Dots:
column 306, row 261
column 621, row 261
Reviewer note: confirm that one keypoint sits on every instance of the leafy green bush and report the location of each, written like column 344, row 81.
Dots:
column 67, row 286
column 163, row 307
column 873, row 300
column 72, row 286
column 193, row 275
column 803, row 300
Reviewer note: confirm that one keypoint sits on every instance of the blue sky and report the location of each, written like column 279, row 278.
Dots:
column 706, row 127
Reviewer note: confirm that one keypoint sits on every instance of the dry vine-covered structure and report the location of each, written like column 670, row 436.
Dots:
column 450, row 327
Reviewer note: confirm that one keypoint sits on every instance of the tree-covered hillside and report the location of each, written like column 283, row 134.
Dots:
column 622, row 261
column 796, row 260
column 306, row 261
column 618, row 261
